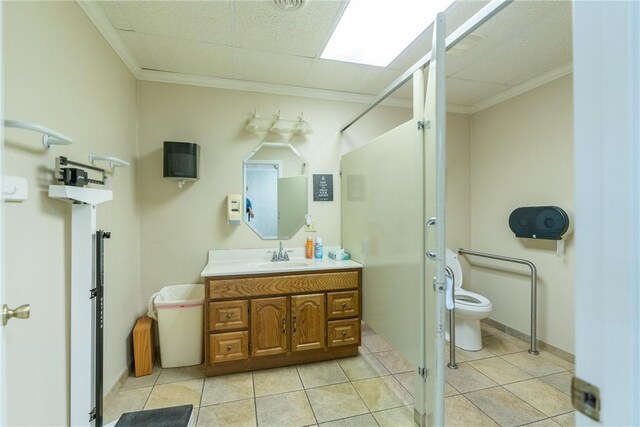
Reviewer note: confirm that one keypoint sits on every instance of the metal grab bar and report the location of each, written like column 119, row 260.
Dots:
column 452, row 325
column 534, row 288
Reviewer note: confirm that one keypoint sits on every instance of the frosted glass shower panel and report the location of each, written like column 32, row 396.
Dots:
column 382, row 217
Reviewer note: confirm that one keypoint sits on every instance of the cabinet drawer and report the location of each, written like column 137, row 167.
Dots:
column 342, row 304
column 227, row 315
column 228, row 346
column 343, row 332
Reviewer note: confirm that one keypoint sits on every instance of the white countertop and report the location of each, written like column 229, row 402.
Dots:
column 231, row 262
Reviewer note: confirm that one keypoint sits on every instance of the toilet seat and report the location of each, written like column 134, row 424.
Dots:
column 470, row 299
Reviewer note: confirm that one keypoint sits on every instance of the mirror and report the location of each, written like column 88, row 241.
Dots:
column 275, row 190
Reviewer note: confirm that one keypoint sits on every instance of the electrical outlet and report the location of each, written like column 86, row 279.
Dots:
column 311, row 228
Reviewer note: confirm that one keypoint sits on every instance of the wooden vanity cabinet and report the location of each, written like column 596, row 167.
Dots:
column 270, row 320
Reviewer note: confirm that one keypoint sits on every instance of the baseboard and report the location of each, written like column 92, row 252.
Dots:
column 107, row 398
column 565, row 355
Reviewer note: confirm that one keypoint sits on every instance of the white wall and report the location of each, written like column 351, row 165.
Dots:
column 179, row 227
column 61, row 73
column 522, row 155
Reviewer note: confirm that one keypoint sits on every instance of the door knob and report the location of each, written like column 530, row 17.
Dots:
column 22, row 312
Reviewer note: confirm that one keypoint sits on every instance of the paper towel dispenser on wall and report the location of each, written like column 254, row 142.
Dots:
column 181, row 161
column 540, row 222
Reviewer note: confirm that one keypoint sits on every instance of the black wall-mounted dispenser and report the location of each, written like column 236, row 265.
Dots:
column 540, row 222
column 181, row 160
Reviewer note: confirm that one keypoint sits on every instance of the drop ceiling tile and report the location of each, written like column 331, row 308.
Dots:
column 205, row 21
column 384, row 79
column 342, row 76
column 524, row 40
column 180, row 56
column 261, row 25
column 117, row 12
column 270, row 67
column 468, row 93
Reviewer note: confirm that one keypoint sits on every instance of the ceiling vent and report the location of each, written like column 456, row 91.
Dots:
column 290, row 5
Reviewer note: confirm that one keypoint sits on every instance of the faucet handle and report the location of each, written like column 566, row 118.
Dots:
column 286, row 254
column 274, row 257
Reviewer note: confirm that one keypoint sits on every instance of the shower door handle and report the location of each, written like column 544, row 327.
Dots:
column 431, row 222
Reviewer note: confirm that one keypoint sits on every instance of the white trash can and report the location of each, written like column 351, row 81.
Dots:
column 178, row 310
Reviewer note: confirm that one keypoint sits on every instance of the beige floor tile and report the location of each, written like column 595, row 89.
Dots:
column 175, row 394
column 336, row 401
column 375, row 343
column 500, row 370
column 466, row 378
column 383, row 393
column 543, row 397
column 227, row 388
column 465, row 355
column 144, row 381
column 126, row 401
column 363, row 350
column 498, row 345
column 407, row 380
column 458, row 411
column 535, row 365
column 488, row 330
column 288, row 409
column 402, row 416
column 362, row 366
column 365, row 420
column 566, row 420
column 557, row 360
column 173, row 375
column 544, row 423
column 230, row 414
column 504, row 407
column 278, row 380
column 449, row 390
column 394, row 362
column 561, row 381
column 321, row 374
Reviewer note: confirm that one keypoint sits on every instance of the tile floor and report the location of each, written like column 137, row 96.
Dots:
column 500, row 385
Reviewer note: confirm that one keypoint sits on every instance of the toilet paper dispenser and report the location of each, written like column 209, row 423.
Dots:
column 540, row 222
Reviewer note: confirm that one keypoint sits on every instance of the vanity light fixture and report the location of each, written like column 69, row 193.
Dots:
column 302, row 127
column 278, row 124
column 114, row 162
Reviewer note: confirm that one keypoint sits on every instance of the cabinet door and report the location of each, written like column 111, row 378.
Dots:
column 269, row 329
column 307, row 322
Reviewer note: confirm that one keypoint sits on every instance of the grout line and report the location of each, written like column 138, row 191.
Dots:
column 255, row 399
column 315, row 417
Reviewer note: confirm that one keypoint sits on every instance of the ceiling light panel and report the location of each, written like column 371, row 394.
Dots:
column 375, row 32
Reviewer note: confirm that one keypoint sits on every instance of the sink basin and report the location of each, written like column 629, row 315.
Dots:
column 281, row 265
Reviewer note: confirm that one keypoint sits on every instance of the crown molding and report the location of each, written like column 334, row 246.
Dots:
column 270, row 88
column 102, row 23
column 457, row 108
column 535, row 82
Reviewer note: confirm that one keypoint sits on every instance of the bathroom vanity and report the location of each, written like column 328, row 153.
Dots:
column 260, row 314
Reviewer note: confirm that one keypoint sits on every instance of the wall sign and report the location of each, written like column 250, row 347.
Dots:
column 322, row 187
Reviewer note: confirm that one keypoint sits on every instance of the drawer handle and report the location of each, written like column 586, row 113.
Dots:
column 344, row 305
column 229, row 316
column 344, row 333
column 284, row 324
column 295, row 324
column 229, row 348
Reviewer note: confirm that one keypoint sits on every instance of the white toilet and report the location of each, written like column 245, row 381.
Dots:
column 470, row 309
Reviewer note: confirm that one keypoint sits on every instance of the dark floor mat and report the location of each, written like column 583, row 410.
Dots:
column 177, row 416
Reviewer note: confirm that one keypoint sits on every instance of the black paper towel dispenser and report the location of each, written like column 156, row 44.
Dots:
column 539, row 222
column 181, row 160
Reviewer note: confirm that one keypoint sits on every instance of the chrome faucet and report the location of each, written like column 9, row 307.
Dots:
column 281, row 255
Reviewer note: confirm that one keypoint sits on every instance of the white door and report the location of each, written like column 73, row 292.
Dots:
column 606, row 48
column 3, row 382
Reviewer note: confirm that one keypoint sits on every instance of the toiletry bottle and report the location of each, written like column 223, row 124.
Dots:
column 318, row 247
column 309, row 252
